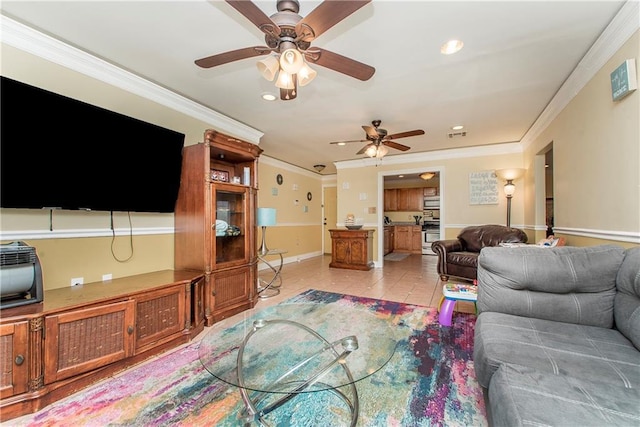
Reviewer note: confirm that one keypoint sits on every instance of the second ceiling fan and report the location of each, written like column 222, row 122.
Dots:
column 289, row 36
column 379, row 138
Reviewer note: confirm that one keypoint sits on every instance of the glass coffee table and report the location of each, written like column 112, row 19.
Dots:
column 278, row 354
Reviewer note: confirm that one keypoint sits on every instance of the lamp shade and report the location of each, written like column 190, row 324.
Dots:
column 306, row 74
column 285, row 80
column 291, row 61
column 269, row 67
column 266, row 217
column 510, row 174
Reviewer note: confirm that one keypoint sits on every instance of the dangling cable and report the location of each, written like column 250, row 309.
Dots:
column 113, row 239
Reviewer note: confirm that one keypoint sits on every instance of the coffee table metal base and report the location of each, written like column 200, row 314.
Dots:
column 256, row 404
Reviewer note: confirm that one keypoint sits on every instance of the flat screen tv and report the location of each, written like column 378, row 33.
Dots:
column 58, row 152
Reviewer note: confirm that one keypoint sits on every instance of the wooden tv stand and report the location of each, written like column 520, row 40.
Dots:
column 82, row 334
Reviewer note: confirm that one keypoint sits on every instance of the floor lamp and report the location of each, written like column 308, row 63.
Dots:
column 509, row 175
column 266, row 218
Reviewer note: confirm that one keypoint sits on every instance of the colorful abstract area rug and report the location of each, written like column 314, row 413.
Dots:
column 429, row 381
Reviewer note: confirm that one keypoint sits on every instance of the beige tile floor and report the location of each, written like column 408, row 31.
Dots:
column 413, row 280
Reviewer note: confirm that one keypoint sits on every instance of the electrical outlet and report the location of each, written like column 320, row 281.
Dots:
column 106, row 277
column 77, row 281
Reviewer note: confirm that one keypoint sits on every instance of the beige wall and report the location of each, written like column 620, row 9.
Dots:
column 299, row 220
column 596, row 155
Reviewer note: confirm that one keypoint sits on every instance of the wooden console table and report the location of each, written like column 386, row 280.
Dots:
column 352, row 249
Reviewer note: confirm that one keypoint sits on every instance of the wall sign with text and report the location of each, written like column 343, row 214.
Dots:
column 483, row 188
column 623, row 80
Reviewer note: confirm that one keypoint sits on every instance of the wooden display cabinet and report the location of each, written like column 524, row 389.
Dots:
column 215, row 230
column 352, row 249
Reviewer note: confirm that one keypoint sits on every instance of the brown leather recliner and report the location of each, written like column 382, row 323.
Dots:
column 459, row 257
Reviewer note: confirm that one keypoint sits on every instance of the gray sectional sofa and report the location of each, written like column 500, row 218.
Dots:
column 557, row 339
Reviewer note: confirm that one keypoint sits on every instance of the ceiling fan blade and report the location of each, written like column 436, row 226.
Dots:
column 347, row 142
column 371, row 132
column 405, row 134
column 326, row 15
column 232, row 55
column 339, row 63
column 254, row 14
column 363, row 149
column 396, row 145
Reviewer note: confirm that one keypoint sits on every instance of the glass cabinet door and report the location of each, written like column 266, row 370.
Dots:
column 230, row 225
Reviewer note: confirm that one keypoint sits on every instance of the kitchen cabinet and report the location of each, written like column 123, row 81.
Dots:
column 352, row 249
column 408, row 238
column 215, row 229
column 388, row 239
column 79, row 335
column 391, row 199
column 403, row 199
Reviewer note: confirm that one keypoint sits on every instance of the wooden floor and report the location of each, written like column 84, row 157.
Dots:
column 413, row 280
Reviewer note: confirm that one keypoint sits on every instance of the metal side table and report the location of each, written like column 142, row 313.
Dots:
column 271, row 287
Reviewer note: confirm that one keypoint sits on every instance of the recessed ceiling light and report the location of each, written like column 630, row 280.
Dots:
column 457, row 127
column 342, row 143
column 400, row 176
column 452, row 46
column 268, row 96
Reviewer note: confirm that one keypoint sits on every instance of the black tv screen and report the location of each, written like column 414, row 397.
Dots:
column 57, row 152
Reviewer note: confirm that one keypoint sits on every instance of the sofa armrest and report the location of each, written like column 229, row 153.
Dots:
column 444, row 246
column 566, row 284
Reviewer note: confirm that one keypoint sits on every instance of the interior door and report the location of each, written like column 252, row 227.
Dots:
column 330, row 215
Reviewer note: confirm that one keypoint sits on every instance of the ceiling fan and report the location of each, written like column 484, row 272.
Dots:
column 290, row 35
column 378, row 138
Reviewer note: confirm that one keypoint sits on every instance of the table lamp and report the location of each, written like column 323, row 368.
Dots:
column 266, row 218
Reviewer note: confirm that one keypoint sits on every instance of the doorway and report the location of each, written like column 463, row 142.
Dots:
column 329, row 215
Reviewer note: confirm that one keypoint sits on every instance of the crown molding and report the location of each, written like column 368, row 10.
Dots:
column 36, row 43
column 619, row 30
column 288, row 167
column 455, row 153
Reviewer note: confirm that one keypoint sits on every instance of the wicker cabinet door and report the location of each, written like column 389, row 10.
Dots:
column 160, row 315
column 232, row 291
column 83, row 340
column 14, row 378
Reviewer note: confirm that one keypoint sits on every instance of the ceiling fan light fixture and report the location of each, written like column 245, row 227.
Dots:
column 306, row 74
column 291, row 61
column 451, row 47
column 269, row 67
column 377, row 151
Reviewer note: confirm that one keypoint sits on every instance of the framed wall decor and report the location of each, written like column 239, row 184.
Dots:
column 483, row 188
column 218, row 175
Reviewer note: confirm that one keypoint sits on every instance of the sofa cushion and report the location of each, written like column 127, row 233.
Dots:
column 521, row 396
column 477, row 237
column 627, row 302
column 568, row 284
column 579, row 351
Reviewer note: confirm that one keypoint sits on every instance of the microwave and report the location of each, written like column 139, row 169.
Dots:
column 432, row 202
